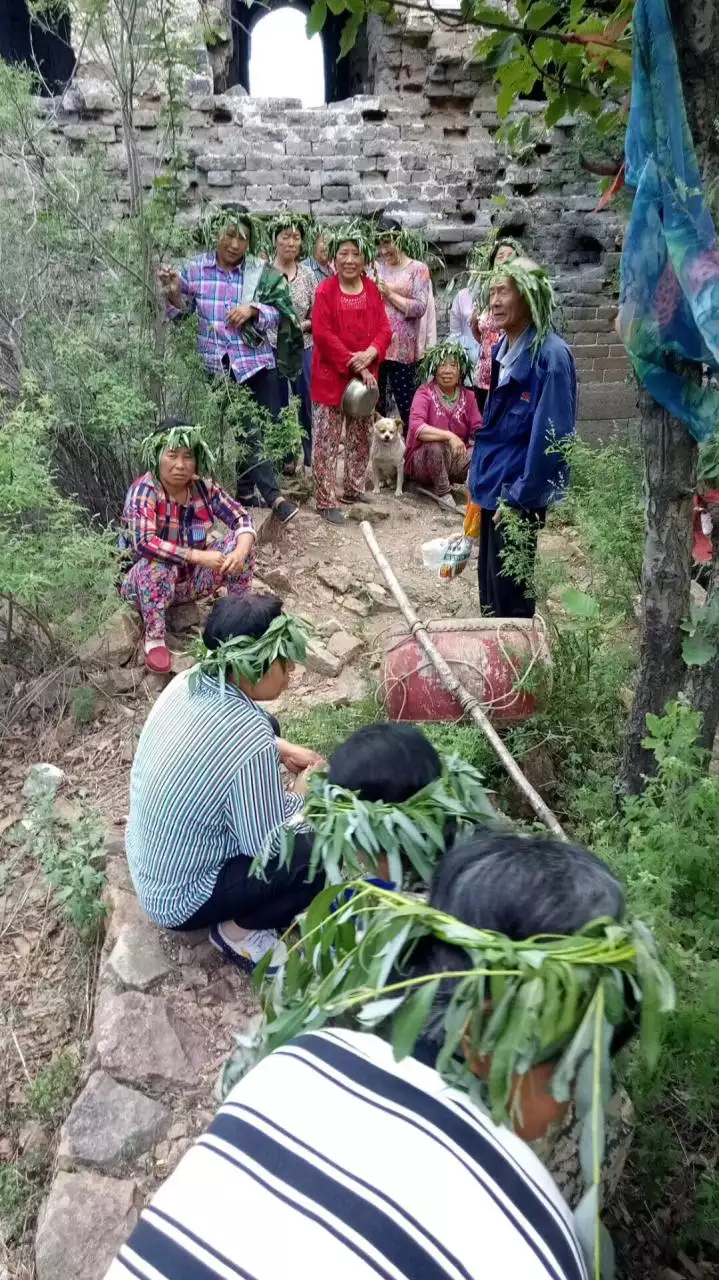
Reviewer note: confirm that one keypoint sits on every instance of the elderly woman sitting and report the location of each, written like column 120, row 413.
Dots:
column 442, row 422
column 168, row 515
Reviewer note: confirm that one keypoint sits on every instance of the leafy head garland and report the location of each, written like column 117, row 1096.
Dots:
column 483, row 256
column 535, row 287
column 445, row 351
column 214, row 223
column 250, row 657
column 412, row 242
column 513, row 1004
column 360, row 232
column 181, row 436
column 289, row 221
column 351, row 834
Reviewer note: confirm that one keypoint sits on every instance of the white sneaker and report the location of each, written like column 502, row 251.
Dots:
column 248, row 952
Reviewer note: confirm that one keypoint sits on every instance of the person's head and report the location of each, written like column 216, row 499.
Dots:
column 320, row 249
column 349, row 261
column 249, row 615
column 233, row 238
column 448, row 363
column 288, row 241
column 448, row 375
column 503, row 251
column 388, row 247
column 520, row 295
column 176, row 452
column 388, row 762
column 522, row 887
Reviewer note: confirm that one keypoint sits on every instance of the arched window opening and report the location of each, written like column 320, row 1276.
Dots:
column 284, row 62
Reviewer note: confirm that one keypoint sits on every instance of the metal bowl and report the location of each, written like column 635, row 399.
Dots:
column 358, row 400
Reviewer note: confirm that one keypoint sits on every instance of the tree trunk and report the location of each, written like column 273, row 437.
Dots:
column 702, row 683
column 669, row 451
column 669, row 468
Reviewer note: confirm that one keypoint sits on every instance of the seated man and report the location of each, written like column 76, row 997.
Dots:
column 206, row 792
column 169, row 513
column 331, row 1159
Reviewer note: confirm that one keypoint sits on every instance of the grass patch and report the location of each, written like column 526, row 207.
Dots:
column 52, row 1090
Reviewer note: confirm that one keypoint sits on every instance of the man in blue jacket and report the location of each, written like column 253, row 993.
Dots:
column 517, row 461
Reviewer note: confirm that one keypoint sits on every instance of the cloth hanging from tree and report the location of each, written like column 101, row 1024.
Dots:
column 670, row 266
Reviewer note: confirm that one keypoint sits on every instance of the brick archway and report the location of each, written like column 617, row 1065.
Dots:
column 342, row 78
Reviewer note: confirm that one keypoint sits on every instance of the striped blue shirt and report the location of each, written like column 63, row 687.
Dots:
column 205, row 787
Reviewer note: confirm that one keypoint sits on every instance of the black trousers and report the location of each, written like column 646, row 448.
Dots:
column 252, row 903
column 480, row 395
column 401, row 380
column 500, row 595
column 251, row 473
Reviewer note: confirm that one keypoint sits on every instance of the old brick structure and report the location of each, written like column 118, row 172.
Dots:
column 417, row 136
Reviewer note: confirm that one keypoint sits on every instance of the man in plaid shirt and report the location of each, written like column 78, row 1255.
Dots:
column 214, row 286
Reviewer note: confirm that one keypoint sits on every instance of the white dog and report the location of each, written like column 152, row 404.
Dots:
column 387, row 453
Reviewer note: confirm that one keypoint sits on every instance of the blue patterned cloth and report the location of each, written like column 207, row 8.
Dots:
column 670, row 265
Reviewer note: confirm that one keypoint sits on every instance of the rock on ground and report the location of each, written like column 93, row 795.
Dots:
column 85, row 1219
column 277, row 580
column 374, row 515
column 110, row 1125
column 321, row 660
column 137, row 957
column 114, row 644
column 43, row 779
column 336, row 577
column 353, row 605
column 182, row 617
column 139, row 1041
column 344, row 646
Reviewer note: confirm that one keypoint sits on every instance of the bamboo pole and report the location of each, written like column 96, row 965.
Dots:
column 468, row 703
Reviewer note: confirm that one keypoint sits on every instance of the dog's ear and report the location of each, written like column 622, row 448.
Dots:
column 400, row 426
column 376, row 417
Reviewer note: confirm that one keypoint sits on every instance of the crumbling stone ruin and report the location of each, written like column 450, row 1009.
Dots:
column 410, row 126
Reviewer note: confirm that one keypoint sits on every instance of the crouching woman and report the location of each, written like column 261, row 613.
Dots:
column 206, row 792
column 169, row 513
column 443, row 421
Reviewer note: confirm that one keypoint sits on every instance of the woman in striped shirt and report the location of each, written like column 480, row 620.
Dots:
column 207, row 796
column 332, row 1161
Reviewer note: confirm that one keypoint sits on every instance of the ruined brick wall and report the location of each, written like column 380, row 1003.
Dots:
column 419, row 141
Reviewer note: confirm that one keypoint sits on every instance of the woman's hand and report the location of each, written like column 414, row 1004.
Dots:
column 208, row 559
column 295, row 758
column 363, row 359
column 368, row 378
column 235, row 561
column 169, row 281
column 456, row 445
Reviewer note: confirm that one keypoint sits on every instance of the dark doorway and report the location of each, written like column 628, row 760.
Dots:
column 42, row 46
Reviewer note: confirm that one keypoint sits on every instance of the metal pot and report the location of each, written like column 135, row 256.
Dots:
column 358, row 400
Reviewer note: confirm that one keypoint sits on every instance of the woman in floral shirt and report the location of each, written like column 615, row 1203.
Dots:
column 404, row 285
column 169, row 513
column 287, row 233
column 483, row 326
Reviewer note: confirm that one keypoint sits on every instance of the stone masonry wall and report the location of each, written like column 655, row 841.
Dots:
column 420, row 142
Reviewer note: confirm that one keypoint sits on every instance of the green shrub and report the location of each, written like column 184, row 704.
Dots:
column 51, row 554
column 72, row 862
column 52, row 1089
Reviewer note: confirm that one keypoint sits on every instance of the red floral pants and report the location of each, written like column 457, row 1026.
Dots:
column 326, row 437
column 153, row 585
column 436, row 467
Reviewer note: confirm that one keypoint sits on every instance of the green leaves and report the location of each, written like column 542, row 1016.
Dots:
column 316, row 17
column 250, row 658
column 701, row 642
column 409, row 1022
column 579, row 603
column 353, row 835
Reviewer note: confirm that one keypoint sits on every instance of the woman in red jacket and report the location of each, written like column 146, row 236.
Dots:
column 351, row 335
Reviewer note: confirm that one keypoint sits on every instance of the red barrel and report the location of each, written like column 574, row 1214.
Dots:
column 504, row 663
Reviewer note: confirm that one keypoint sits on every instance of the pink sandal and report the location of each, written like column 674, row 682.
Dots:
column 159, row 660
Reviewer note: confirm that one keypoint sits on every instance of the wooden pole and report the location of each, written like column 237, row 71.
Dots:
column 468, row 703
